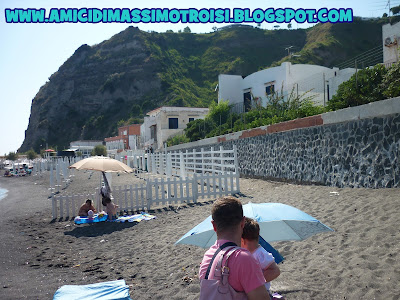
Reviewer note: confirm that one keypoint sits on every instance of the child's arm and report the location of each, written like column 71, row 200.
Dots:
column 271, row 272
column 268, row 264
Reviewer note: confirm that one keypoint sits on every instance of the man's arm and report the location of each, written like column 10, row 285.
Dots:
column 271, row 272
column 259, row 293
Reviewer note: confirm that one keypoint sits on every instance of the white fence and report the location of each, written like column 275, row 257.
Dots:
column 68, row 205
column 182, row 164
column 60, row 172
column 155, row 192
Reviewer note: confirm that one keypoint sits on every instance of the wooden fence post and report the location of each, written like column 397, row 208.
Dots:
column 236, row 168
column 221, row 156
column 143, row 163
column 54, row 207
column 148, row 194
column 186, row 158
column 194, row 188
column 149, row 167
column 182, row 166
column 202, row 160
column 153, row 163
column 212, row 160
column 161, row 163
column 169, row 165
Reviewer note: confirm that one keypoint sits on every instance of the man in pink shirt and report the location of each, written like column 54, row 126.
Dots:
column 245, row 274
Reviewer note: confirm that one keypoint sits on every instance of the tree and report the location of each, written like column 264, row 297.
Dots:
column 363, row 87
column 169, row 31
column 391, row 82
column 31, row 154
column 215, row 28
column 289, row 26
column 99, row 150
column 395, row 9
column 385, row 15
column 219, row 113
column 79, row 153
column 187, row 30
column 12, row 156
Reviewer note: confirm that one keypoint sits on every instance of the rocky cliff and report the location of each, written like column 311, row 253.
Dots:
column 119, row 80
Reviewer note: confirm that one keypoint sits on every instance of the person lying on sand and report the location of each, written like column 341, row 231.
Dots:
column 110, row 209
column 250, row 238
column 84, row 209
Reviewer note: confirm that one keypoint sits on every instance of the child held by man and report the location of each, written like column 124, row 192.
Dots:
column 250, row 238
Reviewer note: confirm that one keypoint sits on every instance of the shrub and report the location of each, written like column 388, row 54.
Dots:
column 391, row 82
column 177, row 139
column 31, row 154
column 99, row 150
column 363, row 87
column 12, row 156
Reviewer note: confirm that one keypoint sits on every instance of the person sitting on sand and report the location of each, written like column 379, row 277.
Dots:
column 250, row 238
column 110, row 209
column 83, row 211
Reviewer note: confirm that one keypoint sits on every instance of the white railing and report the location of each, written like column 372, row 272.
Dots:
column 155, row 192
column 59, row 167
column 187, row 163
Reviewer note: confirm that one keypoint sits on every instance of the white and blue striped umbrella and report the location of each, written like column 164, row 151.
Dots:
column 278, row 222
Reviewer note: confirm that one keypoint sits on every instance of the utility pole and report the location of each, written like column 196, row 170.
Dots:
column 388, row 5
column 288, row 50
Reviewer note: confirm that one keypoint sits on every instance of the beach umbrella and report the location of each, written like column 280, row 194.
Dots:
column 278, row 222
column 101, row 163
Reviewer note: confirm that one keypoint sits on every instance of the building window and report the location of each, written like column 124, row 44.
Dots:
column 191, row 119
column 247, row 101
column 269, row 89
column 153, row 132
column 173, row 123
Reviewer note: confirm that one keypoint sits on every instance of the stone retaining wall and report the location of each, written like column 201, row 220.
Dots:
column 355, row 153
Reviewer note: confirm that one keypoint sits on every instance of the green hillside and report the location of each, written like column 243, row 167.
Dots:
column 119, row 80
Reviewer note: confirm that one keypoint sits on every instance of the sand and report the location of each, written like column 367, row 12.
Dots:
column 360, row 260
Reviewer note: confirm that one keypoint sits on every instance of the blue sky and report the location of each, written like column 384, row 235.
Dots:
column 30, row 53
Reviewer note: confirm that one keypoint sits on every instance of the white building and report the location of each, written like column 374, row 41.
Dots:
column 390, row 40
column 128, row 139
column 114, row 144
column 85, row 146
column 320, row 82
column 165, row 122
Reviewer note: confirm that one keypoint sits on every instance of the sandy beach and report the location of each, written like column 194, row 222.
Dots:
column 360, row 260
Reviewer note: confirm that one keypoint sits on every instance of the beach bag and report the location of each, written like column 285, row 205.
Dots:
column 219, row 288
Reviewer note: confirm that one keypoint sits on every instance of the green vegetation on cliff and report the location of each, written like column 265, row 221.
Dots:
column 119, row 80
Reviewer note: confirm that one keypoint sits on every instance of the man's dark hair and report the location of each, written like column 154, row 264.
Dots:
column 227, row 212
column 88, row 201
column 251, row 229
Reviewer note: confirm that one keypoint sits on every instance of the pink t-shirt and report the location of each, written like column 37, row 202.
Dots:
column 245, row 272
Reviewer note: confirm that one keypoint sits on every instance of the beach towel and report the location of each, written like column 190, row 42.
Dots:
column 110, row 290
column 135, row 218
column 96, row 218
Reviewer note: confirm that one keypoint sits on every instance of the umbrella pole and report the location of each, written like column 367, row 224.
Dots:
column 98, row 202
